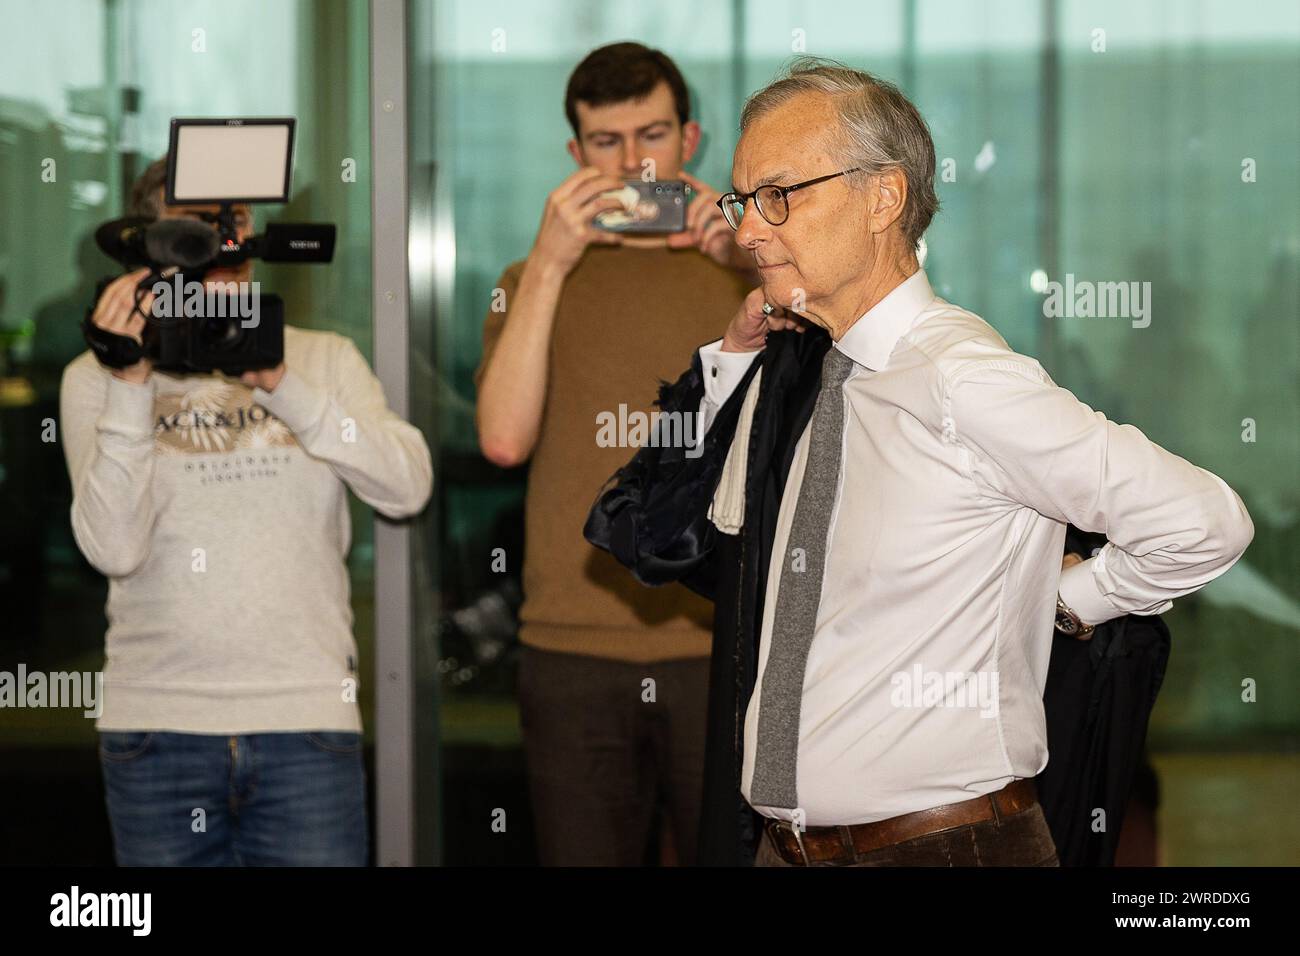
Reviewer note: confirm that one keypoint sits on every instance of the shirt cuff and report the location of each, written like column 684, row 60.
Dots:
column 722, row 371
column 1079, row 590
column 128, row 410
column 295, row 401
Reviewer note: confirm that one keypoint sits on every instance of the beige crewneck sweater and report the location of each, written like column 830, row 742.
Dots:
column 219, row 515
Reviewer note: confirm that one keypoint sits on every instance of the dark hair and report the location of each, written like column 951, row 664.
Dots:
column 145, row 200
column 623, row 71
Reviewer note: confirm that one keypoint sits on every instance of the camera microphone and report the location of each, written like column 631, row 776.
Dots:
column 123, row 240
column 137, row 241
column 181, row 242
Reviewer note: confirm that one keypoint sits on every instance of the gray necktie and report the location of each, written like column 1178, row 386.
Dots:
column 799, row 595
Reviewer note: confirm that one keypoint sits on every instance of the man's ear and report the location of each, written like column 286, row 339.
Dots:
column 576, row 152
column 690, row 140
column 888, row 196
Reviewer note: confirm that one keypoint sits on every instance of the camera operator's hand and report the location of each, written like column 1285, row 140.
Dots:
column 566, row 228
column 115, row 312
column 747, row 331
column 707, row 228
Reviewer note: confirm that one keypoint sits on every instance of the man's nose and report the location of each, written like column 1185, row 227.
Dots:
column 754, row 229
column 631, row 162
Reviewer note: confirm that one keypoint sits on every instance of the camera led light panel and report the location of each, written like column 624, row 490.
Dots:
column 229, row 160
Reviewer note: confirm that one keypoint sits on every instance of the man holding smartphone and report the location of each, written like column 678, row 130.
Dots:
column 614, row 677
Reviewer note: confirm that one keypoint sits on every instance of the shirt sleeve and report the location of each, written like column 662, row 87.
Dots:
column 495, row 322
column 1171, row 527
column 108, row 438
column 382, row 458
column 722, row 373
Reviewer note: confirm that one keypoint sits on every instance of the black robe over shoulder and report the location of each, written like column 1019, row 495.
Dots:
column 652, row 516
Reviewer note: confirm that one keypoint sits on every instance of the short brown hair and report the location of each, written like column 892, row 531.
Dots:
column 623, row 71
column 879, row 129
column 145, row 198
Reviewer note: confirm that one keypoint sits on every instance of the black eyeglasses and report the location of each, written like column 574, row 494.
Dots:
column 771, row 201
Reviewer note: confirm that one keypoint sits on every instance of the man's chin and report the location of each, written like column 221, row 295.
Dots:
column 776, row 291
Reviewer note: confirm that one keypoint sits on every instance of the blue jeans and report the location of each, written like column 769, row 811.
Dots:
column 282, row 799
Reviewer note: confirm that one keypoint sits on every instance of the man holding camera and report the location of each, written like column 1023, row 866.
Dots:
column 217, row 508
column 613, row 677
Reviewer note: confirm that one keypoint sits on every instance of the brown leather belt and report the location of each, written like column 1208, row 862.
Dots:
column 844, row 844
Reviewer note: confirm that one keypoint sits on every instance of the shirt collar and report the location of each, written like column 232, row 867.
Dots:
column 871, row 339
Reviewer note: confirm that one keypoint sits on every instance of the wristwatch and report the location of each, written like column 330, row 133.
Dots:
column 1068, row 623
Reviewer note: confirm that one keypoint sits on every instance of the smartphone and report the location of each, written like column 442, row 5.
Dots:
column 656, row 207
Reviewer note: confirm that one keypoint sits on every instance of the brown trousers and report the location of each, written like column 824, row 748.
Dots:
column 602, row 759
column 1022, row 839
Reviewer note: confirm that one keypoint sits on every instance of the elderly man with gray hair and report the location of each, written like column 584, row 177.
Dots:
column 879, row 512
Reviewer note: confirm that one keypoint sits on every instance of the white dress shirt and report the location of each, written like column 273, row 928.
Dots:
column 962, row 462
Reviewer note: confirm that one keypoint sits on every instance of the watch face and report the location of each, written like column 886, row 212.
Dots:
column 1066, row 624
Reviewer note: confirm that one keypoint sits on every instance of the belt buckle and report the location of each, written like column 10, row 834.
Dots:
column 798, row 838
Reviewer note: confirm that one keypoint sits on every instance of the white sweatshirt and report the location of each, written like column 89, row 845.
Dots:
column 219, row 513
